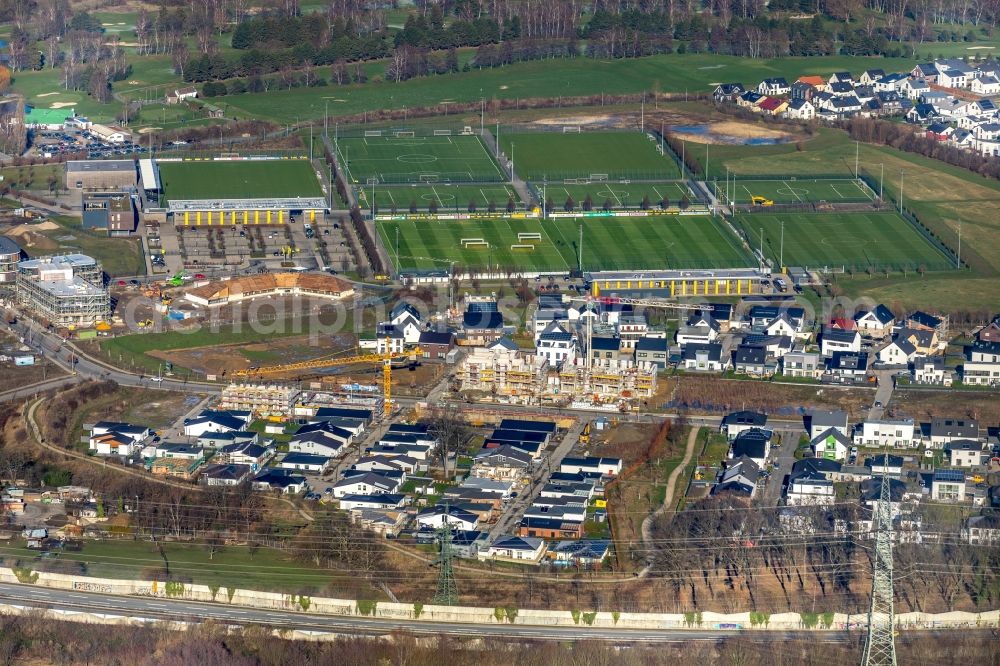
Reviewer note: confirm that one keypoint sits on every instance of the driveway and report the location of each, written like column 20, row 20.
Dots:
column 886, row 383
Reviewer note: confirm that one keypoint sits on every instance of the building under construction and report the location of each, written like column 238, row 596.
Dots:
column 261, row 399
column 524, row 378
column 66, row 290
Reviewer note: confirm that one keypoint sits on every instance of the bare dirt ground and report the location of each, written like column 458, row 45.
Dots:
column 923, row 404
column 295, row 349
column 14, row 376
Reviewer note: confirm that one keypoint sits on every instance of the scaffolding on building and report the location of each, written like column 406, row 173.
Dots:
column 262, row 399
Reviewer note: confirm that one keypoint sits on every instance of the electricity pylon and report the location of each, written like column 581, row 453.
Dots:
column 447, row 593
column 880, row 648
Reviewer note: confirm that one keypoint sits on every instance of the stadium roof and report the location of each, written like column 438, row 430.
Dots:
column 290, row 203
column 74, row 166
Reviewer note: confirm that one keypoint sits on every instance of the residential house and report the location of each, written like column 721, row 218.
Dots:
column 801, row 91
column 922, row 321
column 704, row 358
column 948, row 485
column 752, row 361
column 113, row 444
column 631, row 327
column 913, row 88
column 809, row 489
column 870, row 76
column 384, row 522
column 591, row 465
column 925, row 342
column 899, row 352
column 885, row 465
column 178, row 95
column 366, row 483
column 800, row 109
column 842, row 89
column 982, row 530
column 728, row 92
column 774, row 86
column 435, row 517
column 376, row 502
column 179, row 451
column 281, row 480
column 381, row 464
column 735, row 423
column 772, row 106
column 848, row 365
column 219, row 440
column 516, row 548
column 225, row 475
column 248, row 453
column 216, row 421
column 653, row 350
column 550, row 528
column 921, row 114
column 749, row 99
column 504, row 462
column 482, row 328
column 585, row 553
column 926, row 71
column 930, row 371
column 821, row 420
column 183, row 468
column 964, row 453
column 875, row 323
column 305, row 462
column 319, row 442
column 944, row 430
column 605, row 347
column 740, row 476
column 834, row 340
column 436, row 344
column 982, row 364
column 953, row 73
column 985, row 84
column 894, row 433
column 890, row 82
column 754, row 444
column 990, row 332
column 556, row 345
column 840, row 77
column 802, row 364
column 134, row 433
column 831, row 444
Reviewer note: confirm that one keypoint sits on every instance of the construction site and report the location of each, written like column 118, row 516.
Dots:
column 67, row 291
column 522, row 378
column 264, row 400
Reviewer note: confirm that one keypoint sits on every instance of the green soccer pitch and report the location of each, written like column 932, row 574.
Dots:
column 668, row 241
column 418, row 159
column 850, row 240
column 448, row 196
column 616, row 195
column 799, row 190
column 554, row 156
column 238, row 179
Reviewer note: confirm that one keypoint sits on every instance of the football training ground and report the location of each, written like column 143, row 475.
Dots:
column 418, row 159
column 794, row 191
column 855, row 241
column 238, row 179
column 552, row 156
column 553, row 245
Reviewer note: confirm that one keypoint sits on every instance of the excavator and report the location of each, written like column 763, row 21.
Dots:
column 760, row 201
column 385, row 359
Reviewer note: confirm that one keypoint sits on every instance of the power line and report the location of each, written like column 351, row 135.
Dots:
column 880, row 646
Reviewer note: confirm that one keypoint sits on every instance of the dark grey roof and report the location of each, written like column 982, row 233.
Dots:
column 8, row 246
column 879, row 460
column 828, row 418
column 949, row 475
column 525, row 425
column 749, row 355
column 484, row 320
column 304, row 459
column 652, row 345
column 603, row 343
column 849, row 361
column 836, row 434
column 839, row 335
column 815, row 465
column 745, row 417
column 228, row 472
column 957, row 428
column 964, row 445
column 691, row 351
column 871, row 489
column 925, row 319
column 435, row 338
column 751, row 443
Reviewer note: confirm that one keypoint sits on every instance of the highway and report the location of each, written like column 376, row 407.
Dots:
column 180, row 610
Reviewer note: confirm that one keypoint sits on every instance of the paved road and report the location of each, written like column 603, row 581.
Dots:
column 783, row 458
column 172, row 609
column 886, row 383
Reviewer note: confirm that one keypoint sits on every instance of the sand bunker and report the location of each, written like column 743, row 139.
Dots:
column 61, row 105
column 147, row 130
column 734, row 132
column 49, row 94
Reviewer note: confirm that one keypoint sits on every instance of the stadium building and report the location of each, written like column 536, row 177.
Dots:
column 66, row 290
column 673, row 283
column 232, row 190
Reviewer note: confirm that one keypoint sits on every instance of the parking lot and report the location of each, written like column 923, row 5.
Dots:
column 53, row 143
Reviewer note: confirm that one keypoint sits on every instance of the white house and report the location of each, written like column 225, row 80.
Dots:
column 736, row 423
column 774, row 86
column 982, row 364
column 113, row 444
column 985, row 84
column 931, row 371
column 365, row 484
column 944, row 430
column 821, row 420
column 838, row 340
column 405, row 464
column 809, row 489
column 216, row 421
column 913, row 88
column 965, row 453
column 436, row 516
column 591, row 465
column 522, row 549
column 800, row 109
column 898, row 352
column 110, row 134
column 802, row 364
column 305, row 462
column 704, row 358
column 899, row 433
column 875, row 323
column 948, row 485
column 831, row 444
column 556, row 345
column 382, row 501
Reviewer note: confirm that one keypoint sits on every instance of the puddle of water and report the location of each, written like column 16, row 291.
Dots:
column 706, row 130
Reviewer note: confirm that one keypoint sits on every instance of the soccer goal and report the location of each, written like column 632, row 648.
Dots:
column 576, row 181
column 478, row 242
column 522, row 246
column 429, row 177
column 477, row 246
column 403, row 134
column 529, row 236
column 373, row 133
column 442, row 132
column 571, row 129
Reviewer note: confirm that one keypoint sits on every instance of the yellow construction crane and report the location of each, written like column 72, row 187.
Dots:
column 328, row 362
